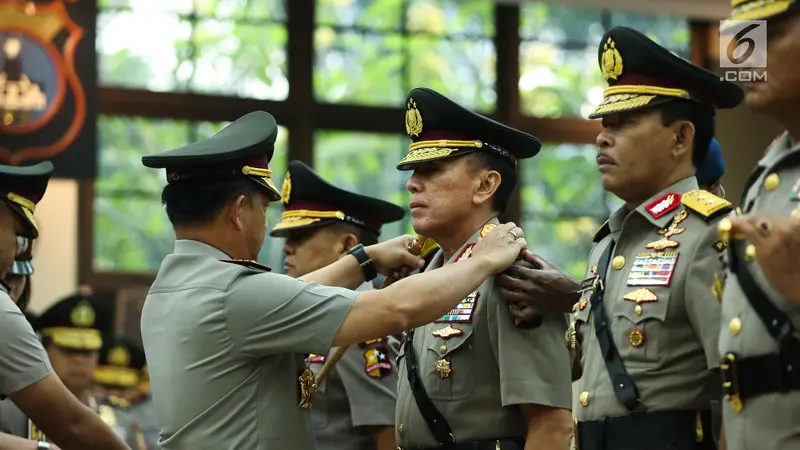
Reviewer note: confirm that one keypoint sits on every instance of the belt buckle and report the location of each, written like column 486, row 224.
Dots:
column 730, row 382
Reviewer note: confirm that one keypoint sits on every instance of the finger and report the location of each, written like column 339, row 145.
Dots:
column 521, row 244
column 747, row 228
column 522, row 314
column 535, row 260
column 518, row 232
column 510, row 283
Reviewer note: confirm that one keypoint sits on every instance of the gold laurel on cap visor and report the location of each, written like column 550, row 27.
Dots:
column 758, row 9
column 87, row 339
column 631, row 97
column 304, row 217
column 25, row 208
column 437, row 149
column 264, row 178
column 116, row 376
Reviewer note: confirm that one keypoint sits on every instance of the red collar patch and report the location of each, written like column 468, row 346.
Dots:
column 663, row 205
column 466, row 253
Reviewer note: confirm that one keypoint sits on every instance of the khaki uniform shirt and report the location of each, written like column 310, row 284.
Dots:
column 225, row 347
column 144, row 414
column 359, row 393
column 662, row 314
column 769, row 421
column 23, row 360
column 485, row 372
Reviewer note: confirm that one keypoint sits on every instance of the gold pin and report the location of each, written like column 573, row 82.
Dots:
column 584, row 398
column 618, row 262
column 724, row 228
column 443, row 369
column 583, row 304
column 443, row 349
column 447, row 332
column 638, row 310
column 636, row 337
column 400, row 429
column 750, row 253
column 772, row 181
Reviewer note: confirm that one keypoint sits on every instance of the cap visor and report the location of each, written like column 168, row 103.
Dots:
column 285, row 227
column 125, row 377
column 27, row 218
column 87, row 339
column 272, row 192
column 411, row 159
column 633, row 104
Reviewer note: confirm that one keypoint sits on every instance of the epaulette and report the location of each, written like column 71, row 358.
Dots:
column 249, row 263
column 601, row 232
column 428, row 248
column 705, row 204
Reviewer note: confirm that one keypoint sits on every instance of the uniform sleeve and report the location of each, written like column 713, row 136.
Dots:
column 270, row 314
column 372, row 395
column 534, row 364
column 702, row 306
column 23, row 360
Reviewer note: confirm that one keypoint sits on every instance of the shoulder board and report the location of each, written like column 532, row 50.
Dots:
column 601, row 233
column 248, row 263
column 429, row 248
column 706, row 204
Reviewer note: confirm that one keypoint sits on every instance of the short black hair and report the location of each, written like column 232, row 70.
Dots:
column 197, row 202
column 702, row 116
column 364, row 236
column 508, row 174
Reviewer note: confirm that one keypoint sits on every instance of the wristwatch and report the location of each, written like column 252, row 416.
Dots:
column 43, row 445
column 367, row 266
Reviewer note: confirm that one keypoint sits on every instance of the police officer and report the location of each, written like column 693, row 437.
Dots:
column 26, row 376
column 471, row 378
column 354, row 407
column 760, row 315
column 226, row 340
column 143, row 412
column 18, row 277
column 645, row 329
column 116, row 380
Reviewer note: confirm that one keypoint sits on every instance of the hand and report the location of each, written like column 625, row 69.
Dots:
column 533, row 286
column 777, row 243
column 395, row 255
column 500, row 247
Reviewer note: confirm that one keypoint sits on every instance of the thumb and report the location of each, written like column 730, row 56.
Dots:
column 745, row 227
column 535, row 260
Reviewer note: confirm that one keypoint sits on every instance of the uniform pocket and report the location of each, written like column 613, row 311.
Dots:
column 448, row 375
column 639, row 328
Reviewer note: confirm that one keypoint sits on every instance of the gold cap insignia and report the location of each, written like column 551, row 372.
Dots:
column 286, row 189
column 82, row 315
column 413, row 119
column 641, row 295
column 119, row 356
column 612, row 61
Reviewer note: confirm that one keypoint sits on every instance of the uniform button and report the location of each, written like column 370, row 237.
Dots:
column 443, row 348
column 772, row 181
column 750, row 253
column 638, row 310
column 584, row 398
column 735, row 326
column 618, row 262
column 400, row 430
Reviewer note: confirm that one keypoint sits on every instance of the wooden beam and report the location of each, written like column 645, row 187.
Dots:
column 573, row 130
column 300, row 52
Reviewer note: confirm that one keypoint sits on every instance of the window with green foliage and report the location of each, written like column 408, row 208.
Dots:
column 365, row 163
column 224, row 47
column 559, row 73
column 563, row 204
column 373, row 52
column 131, row 231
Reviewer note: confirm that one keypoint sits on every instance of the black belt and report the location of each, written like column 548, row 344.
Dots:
column 502, row 444
column 744, row 378
column 650, row 431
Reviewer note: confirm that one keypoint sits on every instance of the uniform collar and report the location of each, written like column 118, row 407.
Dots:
column 192, row 247
column 657, row 209
column 778, row 149
column 476, row 236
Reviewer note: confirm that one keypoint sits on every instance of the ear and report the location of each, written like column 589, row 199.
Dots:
column 487, row 183
column 348, row 240
column 683, row 141
column 234, row 212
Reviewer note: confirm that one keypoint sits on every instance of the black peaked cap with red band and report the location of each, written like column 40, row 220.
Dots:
column 244, row 148
column 310, row 201
column 642, row 74
column 440, row 128
column 22, row 188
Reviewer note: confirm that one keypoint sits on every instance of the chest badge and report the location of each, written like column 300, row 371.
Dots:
column 308, row 387
column 443, row 369
column 666, row 241
column 447, row 332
